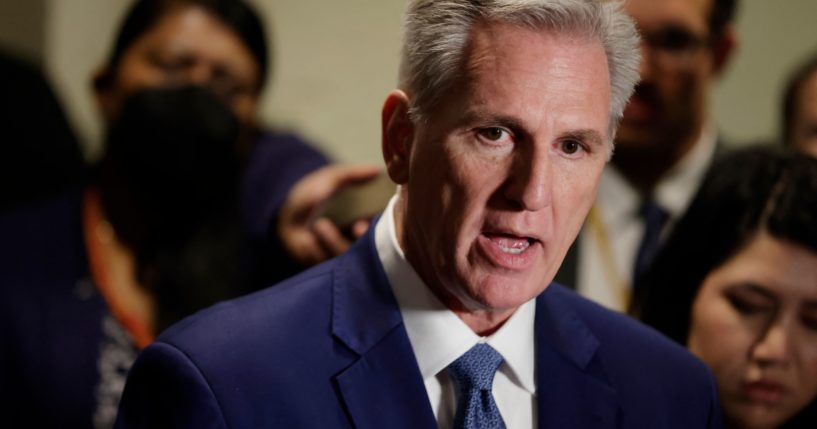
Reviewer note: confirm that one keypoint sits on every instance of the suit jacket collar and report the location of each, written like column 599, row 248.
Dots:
column 364, row 309
column 384, row 387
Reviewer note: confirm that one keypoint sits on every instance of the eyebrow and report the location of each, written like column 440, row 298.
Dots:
column 808, row 304
column 476, row 116
column 754, row 288
column 585, row 135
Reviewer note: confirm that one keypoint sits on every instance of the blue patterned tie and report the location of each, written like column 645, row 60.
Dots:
column 473, row 375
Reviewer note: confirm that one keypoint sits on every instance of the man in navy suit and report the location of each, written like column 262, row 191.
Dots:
column 443, row 314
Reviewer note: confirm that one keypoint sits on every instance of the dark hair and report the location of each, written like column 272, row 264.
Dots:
column 791, row 95
column 236, row 14
column 169, row 186
column 723, row 12
column 749, row 190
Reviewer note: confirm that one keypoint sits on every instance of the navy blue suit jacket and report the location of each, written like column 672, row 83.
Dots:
column 328, row 349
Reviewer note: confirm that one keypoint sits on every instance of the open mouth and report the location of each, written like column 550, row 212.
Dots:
column 511, row 244
column 510, row 250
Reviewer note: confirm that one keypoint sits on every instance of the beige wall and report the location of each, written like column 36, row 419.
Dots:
column 336, row 60
column 775, row 36
column 21, row 28
column 78, row 36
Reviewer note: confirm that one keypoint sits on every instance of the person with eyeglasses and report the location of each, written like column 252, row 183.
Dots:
column 664, row 146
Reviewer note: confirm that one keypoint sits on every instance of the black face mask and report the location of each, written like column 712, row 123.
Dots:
column 169, row 187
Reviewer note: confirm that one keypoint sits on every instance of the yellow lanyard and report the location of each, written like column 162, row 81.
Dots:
column 621, row 288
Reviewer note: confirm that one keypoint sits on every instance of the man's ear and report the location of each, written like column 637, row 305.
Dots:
column 398, row 133
column 723, row 49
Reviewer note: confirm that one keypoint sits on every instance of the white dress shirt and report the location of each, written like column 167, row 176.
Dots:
column 617, row 207
column 438, row 337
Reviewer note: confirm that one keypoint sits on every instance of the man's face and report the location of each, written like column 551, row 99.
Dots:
column 501, row 175
column 669, row 105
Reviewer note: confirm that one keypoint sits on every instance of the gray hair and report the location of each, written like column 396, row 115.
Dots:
column 437, row 34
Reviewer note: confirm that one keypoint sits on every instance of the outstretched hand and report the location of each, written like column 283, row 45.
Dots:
column 305, row 235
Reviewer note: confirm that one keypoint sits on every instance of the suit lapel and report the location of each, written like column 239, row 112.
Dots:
column 384, row 387
column 572, row 387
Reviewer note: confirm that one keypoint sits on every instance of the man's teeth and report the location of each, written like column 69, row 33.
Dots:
column 514, row 247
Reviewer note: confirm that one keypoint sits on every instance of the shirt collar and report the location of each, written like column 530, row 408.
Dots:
column 438, row 337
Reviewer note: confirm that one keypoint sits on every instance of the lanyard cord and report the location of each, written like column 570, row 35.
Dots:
column 95, row 231
column 621, row 288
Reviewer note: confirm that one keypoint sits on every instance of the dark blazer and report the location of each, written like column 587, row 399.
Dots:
column 328, row 349
column 50, row 318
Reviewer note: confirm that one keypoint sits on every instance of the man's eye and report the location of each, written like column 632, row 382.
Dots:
column 493, row 133
column 570, row 147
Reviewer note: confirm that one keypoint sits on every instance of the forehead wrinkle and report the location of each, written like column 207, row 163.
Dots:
column 486, row 50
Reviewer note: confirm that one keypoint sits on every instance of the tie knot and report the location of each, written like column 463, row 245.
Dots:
column 476, row 368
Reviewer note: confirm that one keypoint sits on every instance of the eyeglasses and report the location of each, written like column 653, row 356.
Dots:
column 674, row 47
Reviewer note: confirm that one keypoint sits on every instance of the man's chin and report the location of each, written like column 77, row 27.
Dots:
column 502, row 293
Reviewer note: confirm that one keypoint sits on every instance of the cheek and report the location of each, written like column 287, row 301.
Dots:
column 808, row 357
column 244, row 108
column 576, row 188
column 431, row 196
column 717, row 335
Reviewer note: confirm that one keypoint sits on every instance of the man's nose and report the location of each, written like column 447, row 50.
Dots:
column 773, row 347
column 530, row 180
